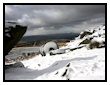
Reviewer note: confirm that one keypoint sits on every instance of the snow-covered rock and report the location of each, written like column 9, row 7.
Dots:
column 44, row 49
column 57, row 51
column 41, row 50
column 92, row 36
column 15, row 65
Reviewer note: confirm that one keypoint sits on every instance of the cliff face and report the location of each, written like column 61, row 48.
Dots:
column 13, row 34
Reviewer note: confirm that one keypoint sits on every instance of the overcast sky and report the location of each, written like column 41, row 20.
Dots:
column 51, row 19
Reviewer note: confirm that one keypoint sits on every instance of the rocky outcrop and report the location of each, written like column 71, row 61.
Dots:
column 13, row 34
column 94, row 38
column 85, row 33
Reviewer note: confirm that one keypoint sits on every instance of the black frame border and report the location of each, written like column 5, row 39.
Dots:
column 57, row 80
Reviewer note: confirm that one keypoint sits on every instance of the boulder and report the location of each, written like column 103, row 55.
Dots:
column 41, row 50
column 15, row 65
column 13, row 34
column 48, row 47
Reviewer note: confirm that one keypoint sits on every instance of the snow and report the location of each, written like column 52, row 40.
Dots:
column 79, row 64
column 98, row 39
column 12, row 24
column 83, row 65
column 7, row 34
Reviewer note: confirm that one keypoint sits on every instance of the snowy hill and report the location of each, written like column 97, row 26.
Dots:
column 84, row 63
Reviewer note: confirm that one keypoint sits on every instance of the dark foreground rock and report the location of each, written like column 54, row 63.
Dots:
column 13, row 34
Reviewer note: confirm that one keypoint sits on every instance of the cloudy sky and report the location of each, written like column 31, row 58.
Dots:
column 51, row 19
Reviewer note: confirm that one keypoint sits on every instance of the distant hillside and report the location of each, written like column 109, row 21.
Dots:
column 60, row 42
column 38, row 40
column 50, row 36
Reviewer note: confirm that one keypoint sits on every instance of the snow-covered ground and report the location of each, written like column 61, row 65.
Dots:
column 79, row 64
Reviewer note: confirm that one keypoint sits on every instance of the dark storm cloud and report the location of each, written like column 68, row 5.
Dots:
column 55, row 17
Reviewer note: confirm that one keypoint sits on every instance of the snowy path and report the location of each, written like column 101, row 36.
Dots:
column 32, row 74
